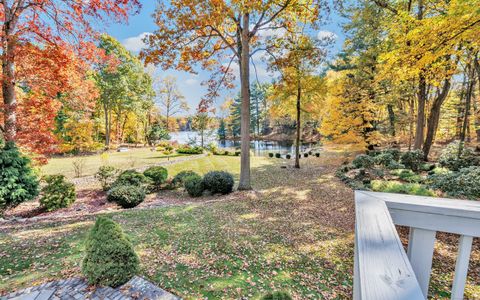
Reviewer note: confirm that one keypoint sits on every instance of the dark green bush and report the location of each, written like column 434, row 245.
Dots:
column 412, row 159
column 132, row 177
column 218, row 182
column 450, row 159
column 110, row 258
column 305, row 154
column 237, row 153
column 57, row 193
column 270, row 154
column 277, row 296
column 363, row 161
column 288, row 156
column 127, row 196
column 190, row 150
column 408, row 175
column 194, row 185
column 278, row 155
column 158, row 175
column 395, row 153
column 107, row 176
column 465, row 182
column 178, row 180
column 317, row 154
column 18, row 182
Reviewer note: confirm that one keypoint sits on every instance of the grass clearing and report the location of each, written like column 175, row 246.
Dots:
column 133, row 158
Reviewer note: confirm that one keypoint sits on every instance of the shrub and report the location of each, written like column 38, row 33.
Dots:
column 277, row 296
column 317, row 154
column 412, row 159
column 407, row 175
column 127, row 196
column 78, row 166
column 218, row 182
column 237, row 153
column 305, row 154
column 395, row 153
column 158, row 175
column 363, row 161
column 270, row 154
column 132, row 177
column 384, row 159
column 278, row 155
column 288, row 156
column 401, row 188
column 18, row 182
column 107, row 176
column 57, row 193
column 110, row 259
column 462, row 183
column 179, row 179
column 190, row 150
column 194, row 185
column 226, row 152
column 450, row 159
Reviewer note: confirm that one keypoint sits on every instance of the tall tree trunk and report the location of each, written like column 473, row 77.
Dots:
column 299, row 129
column 9, row 44
column 421, row 99
column 107, row 125
column 434, row 117
column 477, row 103
column 391, row 118
column 244, row 183
column 468, row 101
column 411, row 104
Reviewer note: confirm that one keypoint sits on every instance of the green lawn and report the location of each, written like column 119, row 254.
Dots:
column 123, row 160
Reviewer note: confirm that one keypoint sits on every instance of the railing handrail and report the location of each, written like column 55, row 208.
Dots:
column 376, row 215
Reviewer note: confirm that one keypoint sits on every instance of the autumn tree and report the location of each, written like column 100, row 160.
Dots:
column 214, row 34
column 56, row 24
column 170, row 99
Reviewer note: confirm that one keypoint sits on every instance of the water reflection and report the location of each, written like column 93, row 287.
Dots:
column 259, row 148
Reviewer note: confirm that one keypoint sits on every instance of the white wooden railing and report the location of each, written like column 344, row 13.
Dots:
column 383, row 271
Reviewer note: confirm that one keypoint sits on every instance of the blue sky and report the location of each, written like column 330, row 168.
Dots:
column 131, row 35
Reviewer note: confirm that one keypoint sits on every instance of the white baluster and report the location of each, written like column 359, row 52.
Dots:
column 420, row 253
column 461, row 267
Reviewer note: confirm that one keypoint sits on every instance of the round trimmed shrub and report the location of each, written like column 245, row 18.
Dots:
column 363, row 161
column 317, row 154
column 278, row 155
column 412, row 159
column 237, row 153
column 277, row 296
column 57, row 193
column 305, row 154
column 132, row 177
column 107, row 176
column 18, row 182
column 218, row 182
column 110, row 258
column 385, row 159
column 127, row 196
column 194, row 185
column 288, row 156
column 157, row 174
column 270, row 154
column 395, row 153
column 179, row 179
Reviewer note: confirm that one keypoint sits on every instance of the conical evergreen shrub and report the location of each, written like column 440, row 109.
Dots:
column 110, row 259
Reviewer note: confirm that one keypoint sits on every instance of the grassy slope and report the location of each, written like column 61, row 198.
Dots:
column 123, row 160
column 295, row 233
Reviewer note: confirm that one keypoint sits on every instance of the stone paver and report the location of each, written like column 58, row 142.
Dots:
column 76, row 288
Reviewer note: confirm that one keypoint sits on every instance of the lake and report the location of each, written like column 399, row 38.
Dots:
column 259, row 148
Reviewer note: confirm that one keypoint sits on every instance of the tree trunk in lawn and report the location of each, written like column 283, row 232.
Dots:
column 434, row 117
column 107, row 126
column 297, row 143
column 421, row 99
column 9, row 44
column 244, row 183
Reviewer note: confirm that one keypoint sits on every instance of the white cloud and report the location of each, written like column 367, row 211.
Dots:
column 326, row 35
column 135, row 43
column 191, row 81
